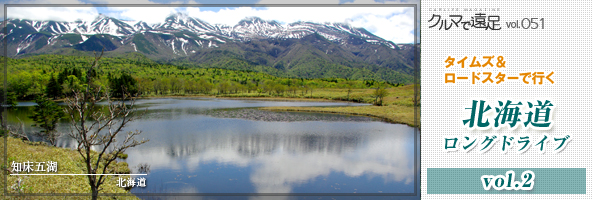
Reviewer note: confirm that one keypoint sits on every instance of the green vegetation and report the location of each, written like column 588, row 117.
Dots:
column 72, row 38
column 379, row 94
column 122, row 85
column 10, row 98
column 297, row 60
column 397, row 104
column 122, row 156
column 36, row 75
column 57, row 76
column 46, row 115
column 143, row 45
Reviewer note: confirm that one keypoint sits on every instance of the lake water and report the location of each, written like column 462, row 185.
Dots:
column 201, row 145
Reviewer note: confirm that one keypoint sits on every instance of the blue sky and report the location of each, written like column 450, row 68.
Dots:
column 391, row 23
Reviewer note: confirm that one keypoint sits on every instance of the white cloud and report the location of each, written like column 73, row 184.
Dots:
column 52, row 13
column 280, row 155
column 60, row 13
column 39, row 13
column 147, row 14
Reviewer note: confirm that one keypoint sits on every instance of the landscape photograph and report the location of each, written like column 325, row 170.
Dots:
column 137, row 102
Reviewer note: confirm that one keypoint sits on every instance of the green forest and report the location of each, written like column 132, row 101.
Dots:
column 57, row 75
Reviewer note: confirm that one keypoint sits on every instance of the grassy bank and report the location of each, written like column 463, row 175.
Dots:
column 69, row 162
column 392, row 113
column 397, row 105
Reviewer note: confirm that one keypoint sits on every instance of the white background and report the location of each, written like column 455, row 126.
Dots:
column 564, row 46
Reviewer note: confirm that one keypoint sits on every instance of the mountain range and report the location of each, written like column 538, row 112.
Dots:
column 299, row 49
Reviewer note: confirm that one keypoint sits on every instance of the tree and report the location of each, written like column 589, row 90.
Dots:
column 304, row 89
column 46, row 115
column 124, row 82
column 175, row 85
column 204, row 86
column 268, row 86
column 11, row 99
column 144, row 86
column 349, row 86
column 96, row 129
column 71, row 83
column 251, row 87
column 20, row 84
column 261, row 89
column 279, row 89
column 223, row 87
column 311, row 87
column 8, row 100
column 379, row 94
column 233, row 87
column 190, row 86
column 293, row 89
column 54, row 88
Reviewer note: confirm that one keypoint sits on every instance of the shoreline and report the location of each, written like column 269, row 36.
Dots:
column 333, row 110
column 393, row 119
column 296, row 109
column 380, row 112
column 300, row 99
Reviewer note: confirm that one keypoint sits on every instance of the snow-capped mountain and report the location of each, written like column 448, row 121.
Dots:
column 202, row 33
column 180, row 22
column 100, row 25
column 187, row 40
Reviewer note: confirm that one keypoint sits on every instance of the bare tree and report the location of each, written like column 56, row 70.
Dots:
column 16, row 131
column 93, row 128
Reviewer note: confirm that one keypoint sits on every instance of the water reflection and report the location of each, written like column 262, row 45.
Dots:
column 191, row 150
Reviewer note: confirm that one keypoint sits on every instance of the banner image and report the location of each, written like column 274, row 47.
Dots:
column 504, row 100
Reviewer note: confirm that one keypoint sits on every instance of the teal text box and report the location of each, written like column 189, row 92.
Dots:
column 468, row 180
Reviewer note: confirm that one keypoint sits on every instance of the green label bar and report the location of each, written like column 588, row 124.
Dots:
column 468, row 180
